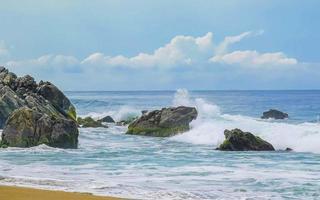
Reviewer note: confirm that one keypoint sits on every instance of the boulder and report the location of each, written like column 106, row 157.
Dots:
column 274, row 114
column 27, row 127
column 237, row 140
column 57, row 99
column 89, row 122
column 107, row 119
column 163, row 123
column 33, row 114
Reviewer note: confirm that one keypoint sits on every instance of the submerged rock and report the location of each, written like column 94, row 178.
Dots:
column 163, row 123
column 33, row 114
column 274, row 114
column 89, row 122
column 107, row 119
column 237, row 140
column 27, row 127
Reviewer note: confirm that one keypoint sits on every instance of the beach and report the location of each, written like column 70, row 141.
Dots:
column 21, row 193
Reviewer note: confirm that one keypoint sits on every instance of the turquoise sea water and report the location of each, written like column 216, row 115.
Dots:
column 186, row 166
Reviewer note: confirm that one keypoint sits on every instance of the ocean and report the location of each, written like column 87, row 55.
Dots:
column 186, row 166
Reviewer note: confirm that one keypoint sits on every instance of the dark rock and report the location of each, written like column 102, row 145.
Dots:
column 89, row 122
column 237, row 140
column 275, row 114
column 288, row 149
column 2, row 68
column 143, row 112
column 57, row 99
column 32, row 114
column 8, row 103
column 107, row 119
column 27, row 127
column 163, row 123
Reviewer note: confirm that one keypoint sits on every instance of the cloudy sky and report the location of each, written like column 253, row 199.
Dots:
column 163, row 45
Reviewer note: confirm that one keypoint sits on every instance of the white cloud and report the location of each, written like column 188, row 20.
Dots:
column 181, row 50
column 229, row 40
column 254, row 58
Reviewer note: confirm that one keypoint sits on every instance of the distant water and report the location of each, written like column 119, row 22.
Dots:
column 186, row 166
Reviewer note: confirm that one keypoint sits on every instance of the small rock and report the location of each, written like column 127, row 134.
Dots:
column 275, row 114
column 107, row 119
column 90, row 122
column 237, row 140
column 288, row 149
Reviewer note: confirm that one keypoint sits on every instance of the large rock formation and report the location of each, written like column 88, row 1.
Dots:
column 274, row 114
column 28, row 127
column 237, row 140
column 163, row 123
column 33, row 114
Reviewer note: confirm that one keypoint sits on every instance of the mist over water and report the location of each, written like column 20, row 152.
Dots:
column 185, row 166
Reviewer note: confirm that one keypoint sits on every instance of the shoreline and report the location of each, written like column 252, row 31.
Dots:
column 25, row 193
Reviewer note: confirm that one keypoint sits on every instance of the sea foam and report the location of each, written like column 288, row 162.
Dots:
column 208, row 128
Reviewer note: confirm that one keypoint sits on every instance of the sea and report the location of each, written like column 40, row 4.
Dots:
column 186, row 166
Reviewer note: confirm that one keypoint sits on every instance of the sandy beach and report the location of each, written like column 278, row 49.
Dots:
column 21, row 193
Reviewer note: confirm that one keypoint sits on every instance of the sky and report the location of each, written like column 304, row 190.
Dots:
column 163, row 45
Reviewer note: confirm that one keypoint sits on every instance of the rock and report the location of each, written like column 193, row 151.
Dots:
column 163, row 123
column 143, row 112
column 57, row 99
column 126, row 121
column 33, row 114
column 8, row 103
column 89, row 122
column 237, row 140
column 288, row 149
column 107, row 119
column 27, row 127
column 275, row 114
column 2, row 68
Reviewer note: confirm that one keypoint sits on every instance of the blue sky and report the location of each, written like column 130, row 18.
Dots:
column 158, row 45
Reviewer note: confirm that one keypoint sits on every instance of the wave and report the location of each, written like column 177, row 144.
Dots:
column 208, row 128
column 123, row 113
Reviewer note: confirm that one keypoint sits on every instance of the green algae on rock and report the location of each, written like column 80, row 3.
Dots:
column 33, row 114
column 88, row 122
column 237, row 140
column 163, row 123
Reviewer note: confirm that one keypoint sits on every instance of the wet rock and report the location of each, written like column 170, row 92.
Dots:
column 57, row 99
column 107, row 119
column 237, row 140
column 163, row 123
column 89, row 122
column 27, row 127
column 288, row 149
column 274, row 114
column 29, row 113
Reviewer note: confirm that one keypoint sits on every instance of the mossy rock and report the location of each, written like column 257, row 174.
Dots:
column 163, row 123
column 157, row 132
column 237, row 140
column 89, row 122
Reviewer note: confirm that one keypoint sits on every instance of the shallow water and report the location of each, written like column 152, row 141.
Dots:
column 186, row 166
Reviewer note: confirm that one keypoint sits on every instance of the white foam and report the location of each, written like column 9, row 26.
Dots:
column 123, row 113
column 211, row 123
